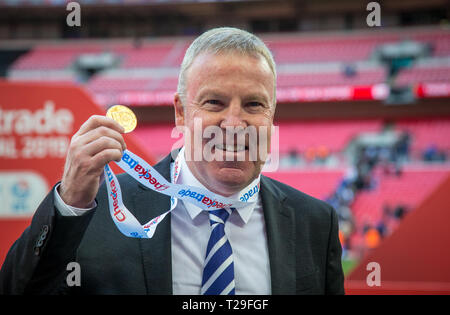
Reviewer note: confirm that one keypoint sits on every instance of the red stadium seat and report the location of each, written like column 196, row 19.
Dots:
column 319, row 183
column 302, row 135
column 331, row 79
column 426, row 132
column 409, row 189
column 423, row 74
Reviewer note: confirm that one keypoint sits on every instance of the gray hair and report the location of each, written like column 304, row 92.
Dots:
column 224, row 39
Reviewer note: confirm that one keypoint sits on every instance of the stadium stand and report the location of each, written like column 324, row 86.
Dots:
column 393, row 196
column 409, row 189
column 53, row 57
column 426, row 132
column 323, row 62
column 423, row 74
column 318, row 182
column 332, row 79
column 286, row 50
column 302, row 135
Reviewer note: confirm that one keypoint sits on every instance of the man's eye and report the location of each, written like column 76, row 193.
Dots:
column 213, row 102
column 255, row 104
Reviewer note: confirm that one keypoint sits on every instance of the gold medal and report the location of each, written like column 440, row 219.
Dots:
column 124, row 116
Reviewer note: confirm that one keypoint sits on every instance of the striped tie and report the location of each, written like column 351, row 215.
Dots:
column 218, row 271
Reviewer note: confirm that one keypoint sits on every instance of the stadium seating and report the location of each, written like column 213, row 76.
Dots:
column 45, row 60
column 409, row 189
column 330, row 51
column 162, row 142
column 156, row 55
column 323, row 49
column 319, row 183
column 424, row 74
column 331, row 79
column 301, row 135
column 54, row 57
column 351, row 48
column 312, row 66
column 101, row 84
column 426, row 132
column 439, row 40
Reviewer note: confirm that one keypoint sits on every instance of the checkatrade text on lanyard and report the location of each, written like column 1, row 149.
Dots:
column 145, row 174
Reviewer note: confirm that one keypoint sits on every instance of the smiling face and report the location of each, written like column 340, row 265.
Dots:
column 227, row 90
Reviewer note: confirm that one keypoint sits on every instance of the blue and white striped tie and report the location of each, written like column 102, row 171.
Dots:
column 218, row 270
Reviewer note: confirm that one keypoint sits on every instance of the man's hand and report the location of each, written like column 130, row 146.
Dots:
column 97, row 142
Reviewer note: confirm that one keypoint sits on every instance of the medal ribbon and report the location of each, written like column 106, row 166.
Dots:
column 145, row 174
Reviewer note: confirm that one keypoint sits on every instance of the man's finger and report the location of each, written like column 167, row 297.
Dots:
column 104, row 157
column 99, row 132
column 96, row 121
column 100, row 144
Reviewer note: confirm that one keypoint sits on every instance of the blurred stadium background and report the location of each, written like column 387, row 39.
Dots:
column 363, row 112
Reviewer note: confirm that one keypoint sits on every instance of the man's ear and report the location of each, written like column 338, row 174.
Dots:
column 179, row 110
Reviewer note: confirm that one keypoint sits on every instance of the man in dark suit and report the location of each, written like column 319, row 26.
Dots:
column 283, row 242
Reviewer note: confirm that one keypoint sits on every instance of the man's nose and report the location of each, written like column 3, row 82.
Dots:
column 233, row 116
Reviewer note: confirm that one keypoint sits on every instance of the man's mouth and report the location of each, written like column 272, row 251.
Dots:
column 231, row 148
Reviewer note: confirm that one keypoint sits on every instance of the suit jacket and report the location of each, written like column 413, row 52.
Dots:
column 302, row 234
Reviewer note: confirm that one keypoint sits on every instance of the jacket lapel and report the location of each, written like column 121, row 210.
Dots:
column 156, row 252
column 279, row 220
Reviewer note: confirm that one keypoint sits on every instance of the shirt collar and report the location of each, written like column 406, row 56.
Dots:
column 187, row 178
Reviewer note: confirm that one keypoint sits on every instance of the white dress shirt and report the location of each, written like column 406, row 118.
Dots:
column 191, row 230
column 245, row 229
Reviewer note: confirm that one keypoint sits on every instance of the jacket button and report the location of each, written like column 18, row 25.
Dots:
column 44, row 229
column 40, row 240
